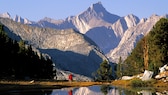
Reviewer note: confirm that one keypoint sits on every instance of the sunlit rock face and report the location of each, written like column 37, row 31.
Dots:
column 131, row 37
column 69, row 49
column 95, row 20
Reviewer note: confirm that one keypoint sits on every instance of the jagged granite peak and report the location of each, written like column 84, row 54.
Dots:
column 95, row 16
column 99, row 12
column 119, row 27
column 69, row 50
column 130, row 38
column 122, row 24
column 97, row 21
column 142, row 20
column 103, row 13
column 97, row 7
column 5, row 15
column 22, row 20
column 18, row 19
column 131, row 20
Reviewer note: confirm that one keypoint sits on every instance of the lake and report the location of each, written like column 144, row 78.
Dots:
column 91, row 90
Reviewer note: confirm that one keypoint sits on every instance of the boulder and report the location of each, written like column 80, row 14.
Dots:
column 127, row 77
column 147, row 75
column 162, row 75
column 164, row 68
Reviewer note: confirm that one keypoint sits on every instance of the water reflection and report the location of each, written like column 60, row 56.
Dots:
column 70, row 92
column 105, row 89
column 26, row 92
column 91, row 90
column 102, row 90
column 63, row 91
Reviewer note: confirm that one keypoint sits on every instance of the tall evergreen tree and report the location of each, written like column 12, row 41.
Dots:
column 151, row 52
column 119, row 68
column 104, row 73
column 158, row 44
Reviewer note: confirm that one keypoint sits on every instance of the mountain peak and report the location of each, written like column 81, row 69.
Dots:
column 98, row 7
column 18, row 19
column 97, row 11
column 5, row 15
column 131, row 15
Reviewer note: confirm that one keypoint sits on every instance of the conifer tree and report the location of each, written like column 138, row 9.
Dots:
column 104, row 73
column 119, row 68
column 151, row 52
column 23, row 61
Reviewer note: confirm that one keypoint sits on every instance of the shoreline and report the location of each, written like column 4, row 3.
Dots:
column 43, row 84
column 64, row 84
column 159, row 85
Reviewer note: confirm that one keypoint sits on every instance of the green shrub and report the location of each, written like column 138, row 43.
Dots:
column 140, row 83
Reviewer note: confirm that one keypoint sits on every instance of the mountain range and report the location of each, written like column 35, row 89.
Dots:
column 89, row 37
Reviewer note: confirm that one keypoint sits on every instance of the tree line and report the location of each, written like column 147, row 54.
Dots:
column 150, row 53
column 19, row 61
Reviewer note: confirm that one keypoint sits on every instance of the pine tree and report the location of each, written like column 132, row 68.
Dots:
column 104, row 73
column 151, row 52
column 158, row 45
column 119, row 68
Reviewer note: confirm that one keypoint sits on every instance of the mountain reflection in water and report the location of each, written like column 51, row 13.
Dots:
column 104, row 90
column 91, row 90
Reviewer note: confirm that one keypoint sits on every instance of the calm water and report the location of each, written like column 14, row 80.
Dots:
column 91, row 90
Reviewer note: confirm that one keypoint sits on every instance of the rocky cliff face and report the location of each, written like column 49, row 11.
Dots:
column 69, row 49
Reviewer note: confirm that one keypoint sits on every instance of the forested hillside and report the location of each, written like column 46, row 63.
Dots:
column 150, row 53
column 19, row 61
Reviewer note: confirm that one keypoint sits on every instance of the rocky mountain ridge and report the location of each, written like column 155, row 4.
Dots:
column 116, row 36
column 69, row 50
column 131, row 37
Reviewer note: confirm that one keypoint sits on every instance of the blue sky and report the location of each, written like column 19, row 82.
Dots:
column 60, row 9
